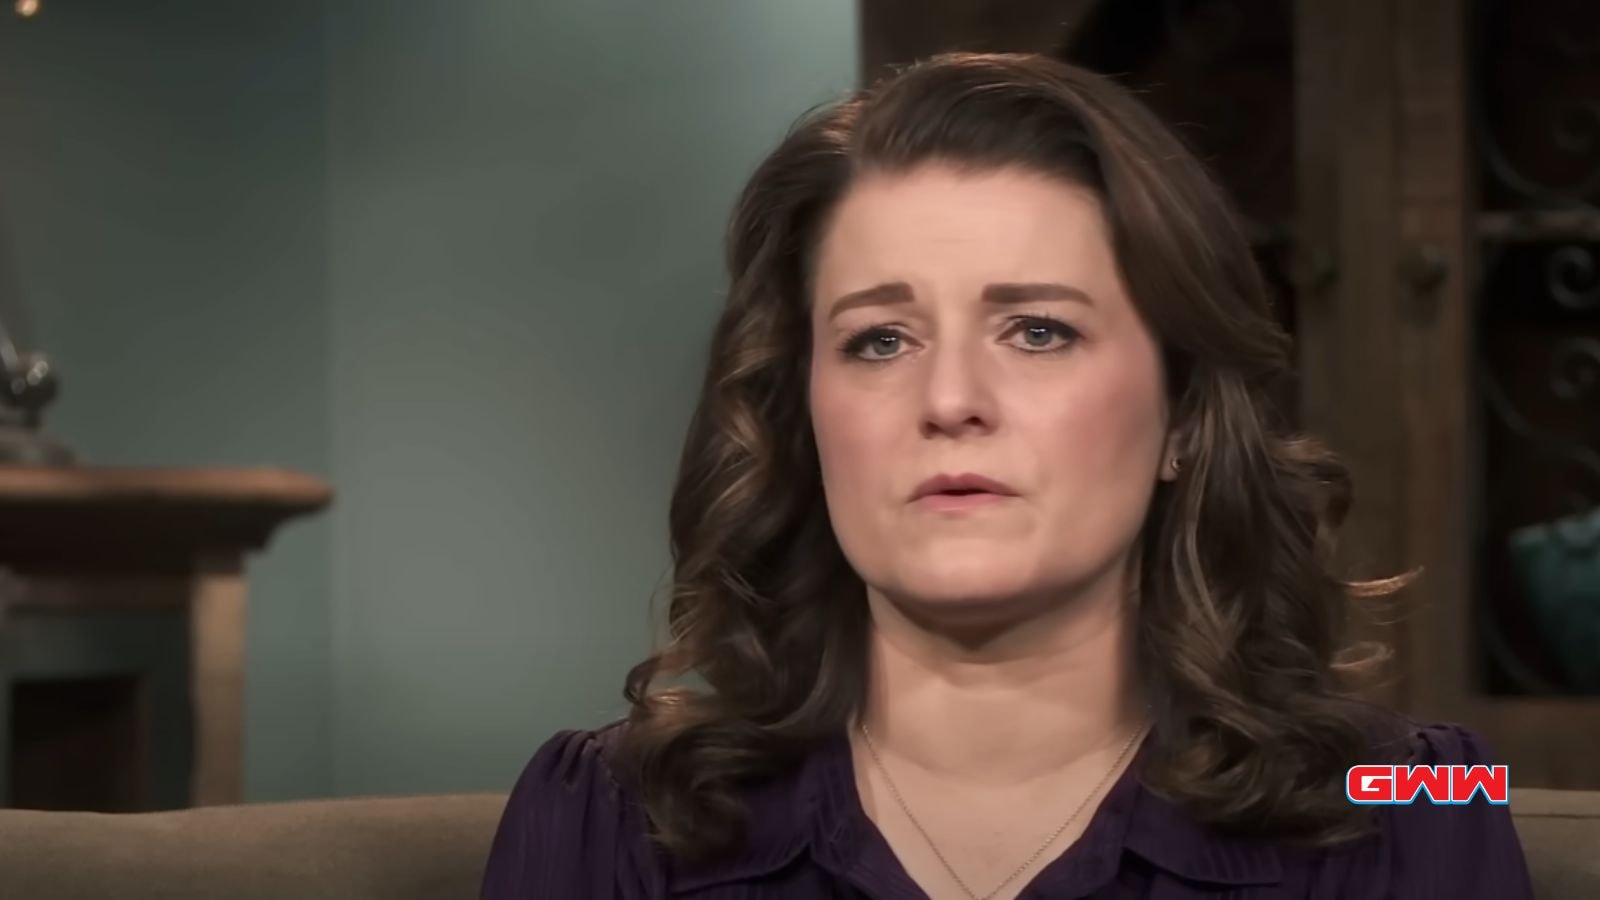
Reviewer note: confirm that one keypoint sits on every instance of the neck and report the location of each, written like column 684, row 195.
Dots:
column 1004, row 704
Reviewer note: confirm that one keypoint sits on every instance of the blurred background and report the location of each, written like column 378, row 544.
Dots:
column 348, row 348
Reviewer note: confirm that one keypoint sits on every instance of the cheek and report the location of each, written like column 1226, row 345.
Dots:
column 850, row 438
column 1104, row 434
column 858, row 442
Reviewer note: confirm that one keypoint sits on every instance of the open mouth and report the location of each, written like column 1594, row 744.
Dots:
column 963, row 485
column 957, row 501
column 955, row 493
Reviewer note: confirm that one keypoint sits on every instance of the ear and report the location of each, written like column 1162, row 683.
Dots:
column 1172, row 461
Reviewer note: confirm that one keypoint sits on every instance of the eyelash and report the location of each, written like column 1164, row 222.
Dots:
column 857, row 341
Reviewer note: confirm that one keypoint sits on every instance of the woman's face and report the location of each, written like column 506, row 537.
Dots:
column 988, row 405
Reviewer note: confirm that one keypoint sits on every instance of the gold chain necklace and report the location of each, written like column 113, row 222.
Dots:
column 894, row 792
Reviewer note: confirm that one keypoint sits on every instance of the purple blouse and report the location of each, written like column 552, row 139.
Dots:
column 570, row 832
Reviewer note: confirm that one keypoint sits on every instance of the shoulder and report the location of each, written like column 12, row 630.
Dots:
column 1465, row 849
column 1440, row 746
column 576, row 759
column 1446, row 744
column 569, row 827
column 1397, row 739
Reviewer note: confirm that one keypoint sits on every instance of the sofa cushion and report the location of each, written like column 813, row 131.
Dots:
column 401, row 848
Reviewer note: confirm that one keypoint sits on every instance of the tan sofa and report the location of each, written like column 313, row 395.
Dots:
column 413, row 848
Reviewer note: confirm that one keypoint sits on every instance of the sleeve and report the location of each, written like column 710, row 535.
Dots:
column 1467, row 851
column 568, row 831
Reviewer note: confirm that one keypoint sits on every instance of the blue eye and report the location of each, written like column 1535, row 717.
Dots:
column 874, row 344
column 1040, row 334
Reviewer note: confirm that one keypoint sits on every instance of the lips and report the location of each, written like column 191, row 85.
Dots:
column 956, row 492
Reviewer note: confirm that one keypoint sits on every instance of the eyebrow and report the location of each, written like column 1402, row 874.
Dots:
column 1032, row 292
column 893, row 292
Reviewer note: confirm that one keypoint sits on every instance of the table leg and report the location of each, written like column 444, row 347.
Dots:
column 216, row 680
column 9, row 593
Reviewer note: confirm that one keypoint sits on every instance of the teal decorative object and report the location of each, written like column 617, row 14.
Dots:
column 1559, row 566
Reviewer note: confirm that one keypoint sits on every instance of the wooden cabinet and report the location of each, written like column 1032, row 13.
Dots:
column 122, row 630
column 1422, row 178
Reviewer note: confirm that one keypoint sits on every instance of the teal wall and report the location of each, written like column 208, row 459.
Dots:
column 162, row 182
column 526, row 209
column 459, row 258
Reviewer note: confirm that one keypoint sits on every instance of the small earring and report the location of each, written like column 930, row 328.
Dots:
column 1177, row 464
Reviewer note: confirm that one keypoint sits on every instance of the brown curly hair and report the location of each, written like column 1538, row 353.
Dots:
column 1241, row 622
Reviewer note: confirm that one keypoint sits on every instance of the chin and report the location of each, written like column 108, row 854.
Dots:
column 968, row 579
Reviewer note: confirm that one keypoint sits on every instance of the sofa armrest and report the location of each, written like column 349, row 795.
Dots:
column 1560, row 832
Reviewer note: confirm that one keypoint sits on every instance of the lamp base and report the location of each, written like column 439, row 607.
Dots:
column 21, row 445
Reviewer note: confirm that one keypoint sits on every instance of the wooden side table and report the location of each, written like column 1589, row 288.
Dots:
column 81, row 541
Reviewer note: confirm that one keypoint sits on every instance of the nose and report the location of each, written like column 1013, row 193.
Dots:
column 958, row 394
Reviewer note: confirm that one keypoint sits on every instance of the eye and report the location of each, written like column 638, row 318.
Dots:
column 1040, row 334
column 876, row 344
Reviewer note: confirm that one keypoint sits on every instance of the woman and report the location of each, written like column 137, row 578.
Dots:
column 995, row 574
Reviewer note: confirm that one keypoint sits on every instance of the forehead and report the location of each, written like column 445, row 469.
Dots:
column 941, row 224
